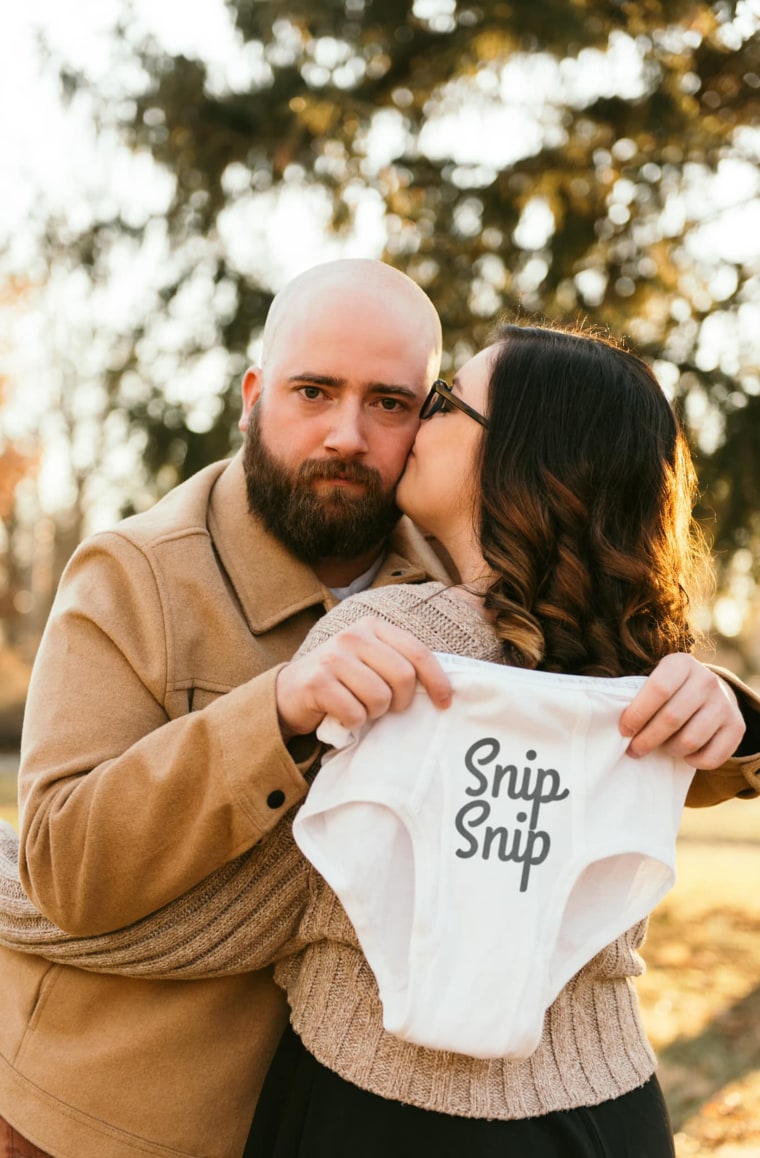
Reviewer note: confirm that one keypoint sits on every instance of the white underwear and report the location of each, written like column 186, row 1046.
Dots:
column 485, row 853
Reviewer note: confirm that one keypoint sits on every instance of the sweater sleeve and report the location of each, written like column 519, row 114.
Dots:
column 243, row 917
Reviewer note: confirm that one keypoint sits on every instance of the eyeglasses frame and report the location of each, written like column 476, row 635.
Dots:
column 441, row 389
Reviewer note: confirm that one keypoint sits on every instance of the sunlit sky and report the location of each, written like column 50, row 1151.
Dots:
column 50, row 151
column 47, row 151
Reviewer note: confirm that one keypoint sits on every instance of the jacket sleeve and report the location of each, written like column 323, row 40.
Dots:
column 740, row 775
column 243, row 917
column 127, row 798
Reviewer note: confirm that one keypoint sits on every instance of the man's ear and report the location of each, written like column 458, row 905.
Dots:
column 251, row 391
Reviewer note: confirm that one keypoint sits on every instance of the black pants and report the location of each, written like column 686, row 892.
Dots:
column 307, row 1111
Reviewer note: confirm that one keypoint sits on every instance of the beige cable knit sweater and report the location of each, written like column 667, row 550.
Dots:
column 271, row 906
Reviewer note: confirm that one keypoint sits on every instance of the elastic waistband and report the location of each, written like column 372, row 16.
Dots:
column 626, row 684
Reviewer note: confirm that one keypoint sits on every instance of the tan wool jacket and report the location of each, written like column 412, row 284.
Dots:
column 151, row 756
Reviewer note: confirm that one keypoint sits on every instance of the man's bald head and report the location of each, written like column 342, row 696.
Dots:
column 367, row 288
column 350, row 351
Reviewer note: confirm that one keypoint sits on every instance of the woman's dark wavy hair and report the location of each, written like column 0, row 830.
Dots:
column 586, row 497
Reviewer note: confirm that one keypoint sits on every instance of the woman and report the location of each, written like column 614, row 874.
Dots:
column 556, row 477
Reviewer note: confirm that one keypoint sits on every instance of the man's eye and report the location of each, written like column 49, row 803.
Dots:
column 311, row 392
column 391, row 404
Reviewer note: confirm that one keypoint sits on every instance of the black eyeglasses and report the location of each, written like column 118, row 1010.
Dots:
column 441, row 398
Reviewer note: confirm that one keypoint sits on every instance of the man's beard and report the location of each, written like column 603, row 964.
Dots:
column 333, row 523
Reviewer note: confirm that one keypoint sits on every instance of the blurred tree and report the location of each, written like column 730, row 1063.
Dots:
column 561, row 157
column 19, row 461
column 17, row 465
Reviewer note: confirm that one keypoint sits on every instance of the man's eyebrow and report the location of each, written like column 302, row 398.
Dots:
column 384, row 388
column 317, row 379
column 372, row 387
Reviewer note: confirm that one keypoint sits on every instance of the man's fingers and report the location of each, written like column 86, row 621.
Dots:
column 719, row 748
column 708, row 739
column 655, row 710
column 681, row 726
column 352, row 691
column 380, row 678
column 361, row 673
column 660, row 732
column 688, row 711
column 337, row 682
column 699, row 730
column 425, row 668
column 651, row 722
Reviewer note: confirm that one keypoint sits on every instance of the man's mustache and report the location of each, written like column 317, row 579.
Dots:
column 313, row 470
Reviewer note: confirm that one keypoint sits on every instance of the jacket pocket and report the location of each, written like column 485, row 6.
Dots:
column 199, row 698
column 44, row 988
column 26, row 984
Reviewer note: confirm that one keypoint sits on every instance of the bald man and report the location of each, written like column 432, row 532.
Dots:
column 167, row 733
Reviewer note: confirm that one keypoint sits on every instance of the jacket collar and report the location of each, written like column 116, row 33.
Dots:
column 270, row 582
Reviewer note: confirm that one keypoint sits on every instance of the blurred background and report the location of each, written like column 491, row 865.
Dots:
column 165, row 167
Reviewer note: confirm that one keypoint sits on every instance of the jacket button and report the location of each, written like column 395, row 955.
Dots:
column 276, row 799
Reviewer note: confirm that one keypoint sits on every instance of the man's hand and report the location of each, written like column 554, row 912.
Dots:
column 363, row 672
column 687, row 710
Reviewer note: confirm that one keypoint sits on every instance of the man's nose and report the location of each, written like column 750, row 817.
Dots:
column 346, row 435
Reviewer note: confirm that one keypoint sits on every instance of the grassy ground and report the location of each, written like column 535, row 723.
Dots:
column 701, row 992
